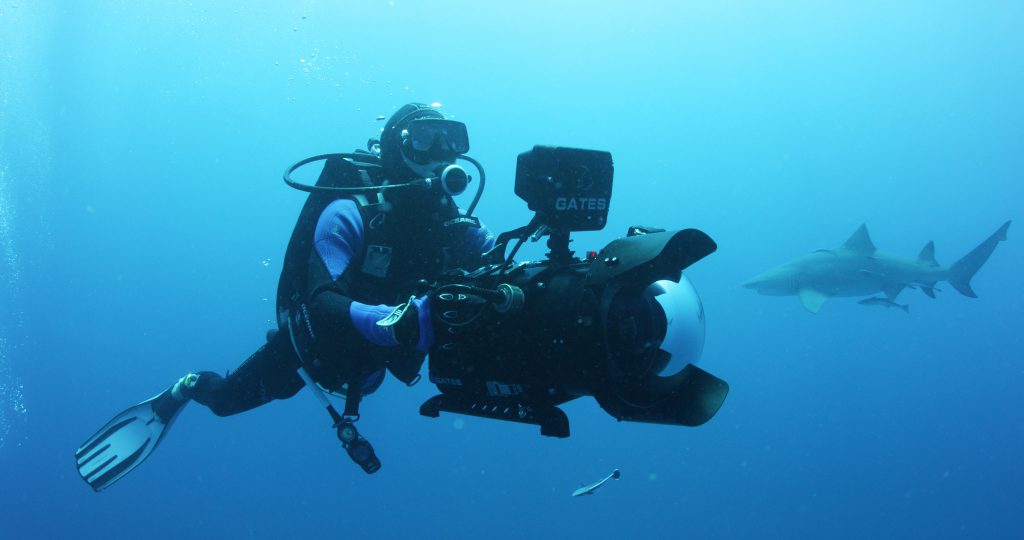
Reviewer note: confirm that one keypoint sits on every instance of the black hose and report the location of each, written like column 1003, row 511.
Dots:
column 479, row 190
column 418, row 184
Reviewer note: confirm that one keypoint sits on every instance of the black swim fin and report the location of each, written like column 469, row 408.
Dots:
column 127, row 440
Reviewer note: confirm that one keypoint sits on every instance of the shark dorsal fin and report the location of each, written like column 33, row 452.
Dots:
column 860, row 242
column 927, row 255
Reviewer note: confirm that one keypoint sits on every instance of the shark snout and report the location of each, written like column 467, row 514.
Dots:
column 758, row 284
column 778, row 281
column 760, row 281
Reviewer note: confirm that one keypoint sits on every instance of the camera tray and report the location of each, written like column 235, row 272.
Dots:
column 552, row 421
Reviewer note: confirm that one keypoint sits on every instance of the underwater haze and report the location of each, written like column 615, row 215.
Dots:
column 143, row 222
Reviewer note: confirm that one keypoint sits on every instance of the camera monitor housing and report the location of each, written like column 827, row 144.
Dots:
column 570, row 189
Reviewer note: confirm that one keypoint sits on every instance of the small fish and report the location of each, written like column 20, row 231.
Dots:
column 884, row 302
column 589, row 490
column 380, row 117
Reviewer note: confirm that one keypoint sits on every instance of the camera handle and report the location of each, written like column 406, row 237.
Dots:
column 558, row 243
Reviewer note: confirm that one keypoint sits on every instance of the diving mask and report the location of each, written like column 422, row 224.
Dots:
column 429, row 135
column 429, row 144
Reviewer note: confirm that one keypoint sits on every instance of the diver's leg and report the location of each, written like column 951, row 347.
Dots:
column 269, row 374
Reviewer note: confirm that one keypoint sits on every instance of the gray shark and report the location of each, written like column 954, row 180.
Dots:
column 858, row 269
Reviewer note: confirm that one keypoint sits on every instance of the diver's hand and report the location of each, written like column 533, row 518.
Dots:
column 407, row 329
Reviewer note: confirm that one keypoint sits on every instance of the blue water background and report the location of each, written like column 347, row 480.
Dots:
column 143, row 224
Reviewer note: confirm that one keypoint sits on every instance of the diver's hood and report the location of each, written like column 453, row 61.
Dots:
column 396, row 166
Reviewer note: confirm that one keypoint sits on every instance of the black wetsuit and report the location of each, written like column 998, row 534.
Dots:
column 340, row 282
column 269, row 374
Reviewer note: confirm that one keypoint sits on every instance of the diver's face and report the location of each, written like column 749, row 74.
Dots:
column 428, row 164
column 427, row 147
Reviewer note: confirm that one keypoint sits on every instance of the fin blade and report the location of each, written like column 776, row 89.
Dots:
column 118, row 467
column 126, row 441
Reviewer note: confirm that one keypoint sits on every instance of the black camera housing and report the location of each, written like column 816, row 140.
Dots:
column 570, row 189
column 517, row 364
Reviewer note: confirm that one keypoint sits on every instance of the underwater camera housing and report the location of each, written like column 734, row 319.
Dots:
column 514, row 341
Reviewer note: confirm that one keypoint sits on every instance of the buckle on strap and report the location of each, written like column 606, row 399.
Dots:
column 389, row 322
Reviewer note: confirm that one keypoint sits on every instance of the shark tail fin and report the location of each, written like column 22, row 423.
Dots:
column 962, row 271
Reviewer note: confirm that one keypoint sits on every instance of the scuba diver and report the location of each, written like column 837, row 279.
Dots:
column 383, row 268
column 378, row 225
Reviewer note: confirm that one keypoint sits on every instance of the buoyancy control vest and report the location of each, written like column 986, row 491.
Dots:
column 403, row 244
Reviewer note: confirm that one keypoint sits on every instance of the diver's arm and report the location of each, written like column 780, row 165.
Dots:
column 483, row 241
column 338, row 237
column 475, row 242
column 338, row 241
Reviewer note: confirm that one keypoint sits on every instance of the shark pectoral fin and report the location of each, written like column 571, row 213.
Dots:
column 812, row 300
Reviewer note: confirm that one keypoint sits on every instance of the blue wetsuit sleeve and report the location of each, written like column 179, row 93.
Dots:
column 339, row 236
column 364, row 318
column 482, row 239
column 477, row 241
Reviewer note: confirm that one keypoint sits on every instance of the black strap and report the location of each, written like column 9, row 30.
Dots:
column 352, row 398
